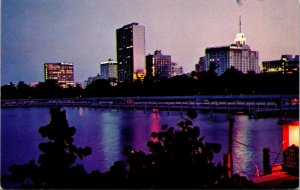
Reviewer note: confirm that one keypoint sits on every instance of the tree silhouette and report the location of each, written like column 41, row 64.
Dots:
column 48, row 89
column 212, row 69
column 23, row 90
column 177, row 158
column 56, row 163
column 98, row 88
column 8, row 91
column 232, row 80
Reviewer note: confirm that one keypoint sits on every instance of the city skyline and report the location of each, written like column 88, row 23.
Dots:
column 83, row 32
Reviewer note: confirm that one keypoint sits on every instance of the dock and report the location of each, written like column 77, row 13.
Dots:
column 277, row 180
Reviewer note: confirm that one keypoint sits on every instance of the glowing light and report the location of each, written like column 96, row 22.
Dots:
column 154, row 126
column 294, row 135
column 290, row 134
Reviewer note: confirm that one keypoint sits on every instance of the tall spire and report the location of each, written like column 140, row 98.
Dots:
column 240, row 38
column 240, row 24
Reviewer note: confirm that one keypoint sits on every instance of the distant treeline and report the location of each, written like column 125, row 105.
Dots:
column 232, row 82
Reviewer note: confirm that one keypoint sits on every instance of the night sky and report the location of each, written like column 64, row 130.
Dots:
column 83, row 31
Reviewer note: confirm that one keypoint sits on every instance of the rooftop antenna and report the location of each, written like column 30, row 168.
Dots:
column 240, row 24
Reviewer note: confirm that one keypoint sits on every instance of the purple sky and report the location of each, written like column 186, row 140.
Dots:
column 83, row 31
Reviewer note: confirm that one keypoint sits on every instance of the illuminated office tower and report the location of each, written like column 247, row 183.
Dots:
column 62, row 72
column 158, row 65
column 239, row 55
column 130, row 51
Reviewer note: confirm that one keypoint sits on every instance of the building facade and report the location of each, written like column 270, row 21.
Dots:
column 201, row 66
column 130, row 51
column 109, row 69
column 158, row 65
column 239, row 55
column 90, row 80
column 286, row 65
column 62, row 72
column 176, row 70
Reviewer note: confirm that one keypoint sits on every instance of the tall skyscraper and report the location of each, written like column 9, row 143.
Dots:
column 238, row 55
column 109, row 69
column 62, row 72
column 158, row 65
column 130, row 51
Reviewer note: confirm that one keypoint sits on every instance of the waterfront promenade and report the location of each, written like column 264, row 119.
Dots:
column 252, row 105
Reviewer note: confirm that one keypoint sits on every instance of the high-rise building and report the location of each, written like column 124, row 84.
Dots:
column 109, row 69
column 286, row 65
column 238, row 55
column 201, row 66
column 158, row 65
column 130, row 51
column 62, row 72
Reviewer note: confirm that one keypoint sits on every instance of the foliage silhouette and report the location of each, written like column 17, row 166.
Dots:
column 230, row 82
column 177, row 158
column 100, row 87
column 56, row 163
column 48, row 89
column 8, row 91
column 23, row 90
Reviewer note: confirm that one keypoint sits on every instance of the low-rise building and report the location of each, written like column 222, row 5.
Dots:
column 90, row 80
column 286, row 65
column 109, row 69
column 201, row 65
column 176, row 70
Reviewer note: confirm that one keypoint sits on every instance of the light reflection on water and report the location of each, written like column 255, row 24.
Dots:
column 244, row 142
column 107, row 132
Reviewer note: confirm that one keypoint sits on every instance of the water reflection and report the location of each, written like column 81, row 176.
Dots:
column 109, row 136
column 154, row 125
column 107, row 132
column 80, row 111
column 140, row 130
column 250, row 137
column 243, row 157
column 19, row 135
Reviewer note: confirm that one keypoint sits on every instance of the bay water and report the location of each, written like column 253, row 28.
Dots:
column 107, row 132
